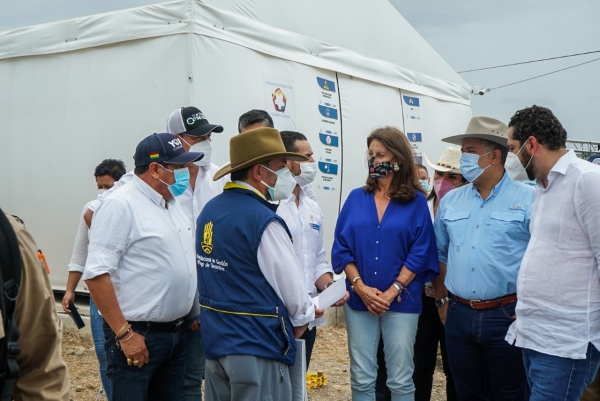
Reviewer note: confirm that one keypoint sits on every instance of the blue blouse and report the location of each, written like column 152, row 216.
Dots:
column 404, row 237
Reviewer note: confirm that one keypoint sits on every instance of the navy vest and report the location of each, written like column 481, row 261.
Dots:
column 241, row 313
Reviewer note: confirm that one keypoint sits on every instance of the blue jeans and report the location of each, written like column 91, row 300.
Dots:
column 398, row 331
column 194, row 368
column 160, row 379
column 553, row 378
column 96, row 321
column 483, row 364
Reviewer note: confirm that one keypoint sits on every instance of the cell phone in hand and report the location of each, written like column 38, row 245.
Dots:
column 76, row 316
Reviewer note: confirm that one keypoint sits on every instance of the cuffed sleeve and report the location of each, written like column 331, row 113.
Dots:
column 279, row 265
column 108, row 239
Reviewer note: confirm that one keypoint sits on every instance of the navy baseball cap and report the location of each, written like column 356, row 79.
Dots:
column 190, row 121
column 163, row 148
column 595, row 159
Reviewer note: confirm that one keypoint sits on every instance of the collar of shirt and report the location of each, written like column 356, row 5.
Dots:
column 202, row 172
column 497, row 188
column 245, row 185
column 292, row 199
column 560, row 167
column 147, row 190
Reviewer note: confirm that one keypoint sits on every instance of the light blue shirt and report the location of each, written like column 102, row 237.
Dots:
column 481, row 241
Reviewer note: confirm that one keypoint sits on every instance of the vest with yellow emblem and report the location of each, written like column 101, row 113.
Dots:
column 241, row 312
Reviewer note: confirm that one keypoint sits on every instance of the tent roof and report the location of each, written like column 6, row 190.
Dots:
column 372, row 28
column 333, row 35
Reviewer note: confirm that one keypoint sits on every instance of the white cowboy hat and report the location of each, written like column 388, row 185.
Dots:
column 483, row 128
column 449, row 161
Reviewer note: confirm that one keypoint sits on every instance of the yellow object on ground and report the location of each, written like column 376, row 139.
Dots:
column 315, row 380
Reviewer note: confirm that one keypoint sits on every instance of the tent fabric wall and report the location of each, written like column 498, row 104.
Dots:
column 189, row 16
column 439, row 120
column 364, row 107
column 62, row 114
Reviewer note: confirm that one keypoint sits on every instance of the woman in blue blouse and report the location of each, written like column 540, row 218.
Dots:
column 384, row 242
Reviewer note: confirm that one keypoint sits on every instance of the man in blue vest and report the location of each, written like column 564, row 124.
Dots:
column 253, row 296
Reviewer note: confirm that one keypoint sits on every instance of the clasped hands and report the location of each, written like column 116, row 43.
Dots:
column 375, row 300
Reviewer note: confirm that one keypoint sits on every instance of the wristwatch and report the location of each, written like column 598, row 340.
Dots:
column 354, row 280
column 440, row 302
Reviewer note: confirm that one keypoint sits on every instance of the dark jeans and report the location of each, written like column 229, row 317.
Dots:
column 194, row 369
column 484, row 366
column 160, row 379
column 430, row 332
column 553, row 378
column 309, row 337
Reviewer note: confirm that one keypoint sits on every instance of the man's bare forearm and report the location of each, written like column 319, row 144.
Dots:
column 103, row 292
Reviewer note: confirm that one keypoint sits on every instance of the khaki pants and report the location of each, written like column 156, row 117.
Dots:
column 592, row 392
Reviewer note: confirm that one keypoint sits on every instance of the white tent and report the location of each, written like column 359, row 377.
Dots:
column 78, row 91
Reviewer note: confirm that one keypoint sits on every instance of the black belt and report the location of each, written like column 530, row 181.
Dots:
column 158, row 326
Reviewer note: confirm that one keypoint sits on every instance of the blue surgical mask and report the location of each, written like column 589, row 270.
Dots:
column 425, row 185
column 182, row 181
column 469, row 166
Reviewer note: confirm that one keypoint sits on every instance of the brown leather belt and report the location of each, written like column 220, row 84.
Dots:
column 487, row 304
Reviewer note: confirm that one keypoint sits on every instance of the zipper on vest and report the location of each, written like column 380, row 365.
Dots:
column 286, row 335
column 239, row 313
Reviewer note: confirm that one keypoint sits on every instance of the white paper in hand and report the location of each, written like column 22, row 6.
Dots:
column 332, row 294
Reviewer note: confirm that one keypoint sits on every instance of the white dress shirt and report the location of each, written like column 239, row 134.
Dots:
column 278, row 263
column 558, row 312
column 79, row 254
column 305, row 223
column 145, row 244
column 192, row 202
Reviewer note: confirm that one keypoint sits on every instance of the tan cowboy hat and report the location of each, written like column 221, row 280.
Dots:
column 253, row 147
column 449, row 161
column 483, row 128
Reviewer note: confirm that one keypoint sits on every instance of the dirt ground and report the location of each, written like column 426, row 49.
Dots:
column 330, row 356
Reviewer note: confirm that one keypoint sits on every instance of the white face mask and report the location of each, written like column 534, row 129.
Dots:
column 308, row 172
column 202, row 147
column 515, row 168
column 284, row 185
column 101, row 191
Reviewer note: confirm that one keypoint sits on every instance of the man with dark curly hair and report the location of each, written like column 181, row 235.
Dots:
column 558, row 287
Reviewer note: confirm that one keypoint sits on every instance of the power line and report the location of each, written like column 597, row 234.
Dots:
column 543, row 75
column 529, row 62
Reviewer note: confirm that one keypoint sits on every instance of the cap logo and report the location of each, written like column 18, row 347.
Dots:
column 154, row 155
column 195, row 117
column 175, row 143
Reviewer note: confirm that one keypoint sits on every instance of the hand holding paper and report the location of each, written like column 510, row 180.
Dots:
column 331, row 295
